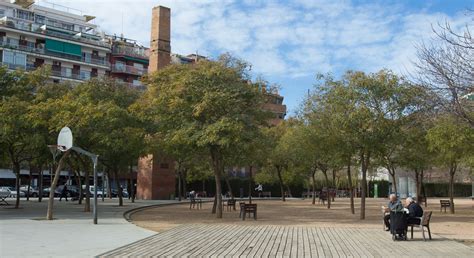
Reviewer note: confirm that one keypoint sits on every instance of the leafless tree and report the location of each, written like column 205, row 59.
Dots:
column 446, row 67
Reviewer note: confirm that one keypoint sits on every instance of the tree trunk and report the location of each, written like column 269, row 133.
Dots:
column 365, row 163
column 185, row 188
column 87, row 205
column 418, row 186
column 77, row 176
column 280, row 180
column 334, row 178
column 250, row 184
column 119, row 188
column 132, row 184
column 229, row 186
column 313, row 181
column 391, row 171
column 423, row 188
column 180, row 193
column 40, row 184
column 29, row 184
column 109, row 185
column 49, row 213
column 452, row 171
column 351, row 190
column 214, row 205
column 16, row 170
column 216, row 164
column 326, row 178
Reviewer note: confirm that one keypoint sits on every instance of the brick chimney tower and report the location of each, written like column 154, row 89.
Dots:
column 160, row 48
column 156, row 176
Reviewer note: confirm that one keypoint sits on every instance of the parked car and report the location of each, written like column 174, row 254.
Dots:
column 13, row 192
column 34, row 192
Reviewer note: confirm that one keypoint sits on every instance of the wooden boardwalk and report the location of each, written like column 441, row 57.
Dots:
column 220, row 240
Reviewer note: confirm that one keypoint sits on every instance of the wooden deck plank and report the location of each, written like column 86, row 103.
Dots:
column 226, row 240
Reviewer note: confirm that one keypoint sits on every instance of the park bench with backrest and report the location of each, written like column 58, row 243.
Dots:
column 195, row 202
column 265, row 194
column 248, row 209
column 424, row 223
column 323, row 197
column 229, row 204
column 444, row 204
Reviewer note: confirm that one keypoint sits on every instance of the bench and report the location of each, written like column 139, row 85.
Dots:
column 444, row 204
column 194, row 202
column 424, row 223
column 265, row 194
column 322, row 197
column 248, row 209
column 229, row 203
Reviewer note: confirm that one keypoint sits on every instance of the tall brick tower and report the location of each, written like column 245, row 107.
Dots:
column 156, row 177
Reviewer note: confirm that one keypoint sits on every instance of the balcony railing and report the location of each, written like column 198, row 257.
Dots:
column 116, row 68
column 36, row 28
column 137, row 52
column 42, row 51
column 64, row 73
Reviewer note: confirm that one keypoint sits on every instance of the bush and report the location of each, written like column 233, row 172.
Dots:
column 442, row 190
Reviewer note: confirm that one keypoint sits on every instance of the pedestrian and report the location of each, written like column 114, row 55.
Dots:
column 63, row 193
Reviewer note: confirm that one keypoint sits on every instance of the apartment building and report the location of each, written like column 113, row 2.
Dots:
column 128, row 60
column 33, row 35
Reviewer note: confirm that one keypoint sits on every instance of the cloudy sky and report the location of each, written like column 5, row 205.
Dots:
column 289, row 42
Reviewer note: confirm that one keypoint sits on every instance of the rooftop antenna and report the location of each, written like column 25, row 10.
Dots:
column 122, row 24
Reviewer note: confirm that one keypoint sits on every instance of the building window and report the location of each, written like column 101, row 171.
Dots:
column 14, row 59
column 2, row 12
column 40, row 19
column 85, row 75
column 25, row 15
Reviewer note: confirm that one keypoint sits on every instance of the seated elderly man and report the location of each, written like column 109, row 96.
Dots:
column 414, row 211
column 393, row 205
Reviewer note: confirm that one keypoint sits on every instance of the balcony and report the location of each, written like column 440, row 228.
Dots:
column 119, row 68
column 43, row 30
column 68, row 74
column 137, row 52
column 42, row 51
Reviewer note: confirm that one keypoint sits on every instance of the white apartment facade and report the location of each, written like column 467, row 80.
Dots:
column 33, row 35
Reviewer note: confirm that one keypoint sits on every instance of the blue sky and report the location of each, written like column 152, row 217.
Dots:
column 289, row 42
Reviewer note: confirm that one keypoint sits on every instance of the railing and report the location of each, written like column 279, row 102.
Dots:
column 131, row 51
column 36, row 28
column 128, row 69
column 42, row 51
column 82, row 75
column 63, row 73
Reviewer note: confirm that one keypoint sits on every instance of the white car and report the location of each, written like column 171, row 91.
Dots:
column 13, row 192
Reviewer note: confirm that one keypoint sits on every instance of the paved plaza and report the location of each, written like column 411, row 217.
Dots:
column 206, row 240
column 25, row 233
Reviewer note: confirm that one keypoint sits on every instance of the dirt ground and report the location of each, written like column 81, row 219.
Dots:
column 459, row 226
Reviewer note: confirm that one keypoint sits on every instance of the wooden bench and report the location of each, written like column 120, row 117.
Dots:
column 444, row 204
column 265, row 194
column 194, row 202
column 229, row 203
column 248, row 209
column 424, row 223
column 323, row 197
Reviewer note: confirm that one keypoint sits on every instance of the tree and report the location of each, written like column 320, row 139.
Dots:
column 209, row 105
column 452, row 141
column 17, row 136
column 445, row 66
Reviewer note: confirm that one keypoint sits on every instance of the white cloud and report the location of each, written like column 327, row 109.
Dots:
column 297, row 38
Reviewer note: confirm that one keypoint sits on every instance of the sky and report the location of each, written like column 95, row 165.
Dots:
column 289, row 42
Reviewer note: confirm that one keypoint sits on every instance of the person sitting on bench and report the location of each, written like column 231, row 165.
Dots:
column 414, row 211
column 393, row 205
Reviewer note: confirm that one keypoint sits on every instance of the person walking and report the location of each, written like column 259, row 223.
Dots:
column 63, row 193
